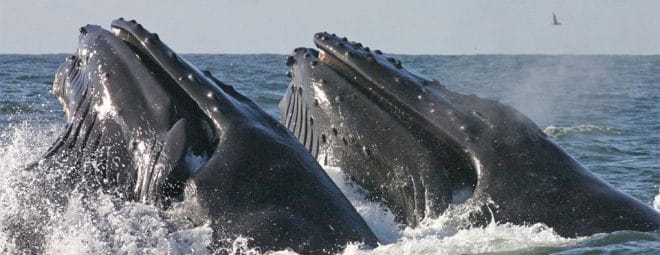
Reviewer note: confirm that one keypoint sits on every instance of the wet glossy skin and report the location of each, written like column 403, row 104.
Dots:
column 159, row 130
column 419, row 147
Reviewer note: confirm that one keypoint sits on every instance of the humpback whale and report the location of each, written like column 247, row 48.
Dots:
column 147, row 125
column 419, row 148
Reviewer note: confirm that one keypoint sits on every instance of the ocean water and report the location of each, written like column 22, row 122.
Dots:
column 603, row 110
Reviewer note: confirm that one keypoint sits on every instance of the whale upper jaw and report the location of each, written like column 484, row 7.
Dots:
column 465, row 117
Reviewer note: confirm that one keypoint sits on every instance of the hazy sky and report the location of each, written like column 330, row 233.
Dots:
column 413, row 27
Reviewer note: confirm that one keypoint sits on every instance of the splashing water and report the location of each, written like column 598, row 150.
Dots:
column 450, row 233
column 492, row 238
column 380, row 219
column 656, row 202
column 88, row 223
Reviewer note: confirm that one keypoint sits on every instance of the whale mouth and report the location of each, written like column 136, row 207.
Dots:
column 343, row 98
column 184, row 84
column 126, row 89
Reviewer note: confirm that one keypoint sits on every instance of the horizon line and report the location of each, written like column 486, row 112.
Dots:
column 392, row 53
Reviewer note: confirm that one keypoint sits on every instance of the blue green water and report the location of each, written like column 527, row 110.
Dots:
column 603, row 110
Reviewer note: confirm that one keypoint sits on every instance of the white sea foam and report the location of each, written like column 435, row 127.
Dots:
column 451, row 233
column 435, row 238
column 555, row 131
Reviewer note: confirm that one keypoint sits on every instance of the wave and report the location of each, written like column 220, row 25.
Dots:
column 556, row 132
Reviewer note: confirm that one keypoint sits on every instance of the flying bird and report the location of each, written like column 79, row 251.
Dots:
column 554, row 20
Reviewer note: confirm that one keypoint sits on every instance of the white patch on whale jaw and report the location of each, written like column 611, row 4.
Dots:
column 104, row 108
column 320, row 94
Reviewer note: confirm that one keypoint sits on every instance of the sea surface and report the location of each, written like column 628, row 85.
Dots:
column 603, row 110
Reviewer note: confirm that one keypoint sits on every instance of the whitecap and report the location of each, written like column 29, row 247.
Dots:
column 558, row 131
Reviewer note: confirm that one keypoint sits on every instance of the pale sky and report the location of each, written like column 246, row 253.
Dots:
column 407, row 27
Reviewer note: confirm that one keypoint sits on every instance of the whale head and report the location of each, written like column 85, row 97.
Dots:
column 131, row 103
column 348, row 105
column 419, row 147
